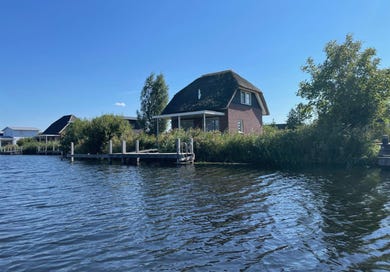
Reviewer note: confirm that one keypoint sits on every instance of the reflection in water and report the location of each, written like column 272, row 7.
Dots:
column 90, row 216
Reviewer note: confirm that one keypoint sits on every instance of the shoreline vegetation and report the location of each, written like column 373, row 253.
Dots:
column 302, row 147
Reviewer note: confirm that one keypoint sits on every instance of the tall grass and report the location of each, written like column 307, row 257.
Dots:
column 31, row 146
column 277, row 148
column 274, row 148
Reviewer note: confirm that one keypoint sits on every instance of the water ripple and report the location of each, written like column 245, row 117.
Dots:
column 57, row 216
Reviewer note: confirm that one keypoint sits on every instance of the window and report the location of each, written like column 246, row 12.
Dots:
column 240, row 126
column 212, row 124
column 246, row 98
column 186, row 124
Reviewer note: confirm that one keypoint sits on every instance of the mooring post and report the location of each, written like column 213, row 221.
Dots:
column 123, row 146
column 72, row 152
column 110, row 152
column 178, row 150
column 178, row 146
column 192, row 150
column 123, row 151
column 137, row 151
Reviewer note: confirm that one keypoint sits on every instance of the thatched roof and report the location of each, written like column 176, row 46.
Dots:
column 58, row 126
column 212, row 92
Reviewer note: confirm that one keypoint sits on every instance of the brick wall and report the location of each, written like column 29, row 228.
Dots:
column 252, row 118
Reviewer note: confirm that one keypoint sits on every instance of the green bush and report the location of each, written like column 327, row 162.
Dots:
column 93, row 136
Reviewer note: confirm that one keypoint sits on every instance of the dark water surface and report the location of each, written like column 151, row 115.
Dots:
column 57, row 216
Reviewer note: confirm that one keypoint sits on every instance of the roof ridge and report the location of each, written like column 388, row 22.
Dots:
column 21, row 128
column 244, row 83
column 220, row 72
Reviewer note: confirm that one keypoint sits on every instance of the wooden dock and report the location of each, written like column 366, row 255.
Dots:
column 11, row 150
column 184, row 154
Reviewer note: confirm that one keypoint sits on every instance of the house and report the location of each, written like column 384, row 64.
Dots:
column 5, row 140
column 54, row 131
column 133, row 121
column 221, row 101
column 11, row 135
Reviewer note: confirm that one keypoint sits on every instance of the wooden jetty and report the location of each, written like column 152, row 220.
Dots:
column 11, row 150
column 184, row 154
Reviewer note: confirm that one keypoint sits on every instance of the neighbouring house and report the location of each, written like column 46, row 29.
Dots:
column 55, row 130
column 133, row 121
column 11, row 135
column 221, row 101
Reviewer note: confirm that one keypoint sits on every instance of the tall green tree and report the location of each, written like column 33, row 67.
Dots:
column 348, row 89
column 154, row 98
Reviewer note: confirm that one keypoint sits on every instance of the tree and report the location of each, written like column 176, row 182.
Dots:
column 93, row 136
column 103, row 129
column 297, row 116
column 75, row 133
column 348, row 89
column 154, row 98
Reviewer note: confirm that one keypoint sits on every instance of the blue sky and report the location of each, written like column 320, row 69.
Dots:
column 91, row 57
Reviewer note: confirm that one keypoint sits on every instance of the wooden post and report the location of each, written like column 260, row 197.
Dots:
column 109, row 151
column 178, row 150
column 72, row 152
column 137, row 151
column 123, row 146
column 123, row 151
column 192, row 150
column 178, row 146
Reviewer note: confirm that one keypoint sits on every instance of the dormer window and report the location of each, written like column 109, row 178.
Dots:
column 246, row 98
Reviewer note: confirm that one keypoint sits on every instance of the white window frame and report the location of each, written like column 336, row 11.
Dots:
column 246, row 98
column 240, row 126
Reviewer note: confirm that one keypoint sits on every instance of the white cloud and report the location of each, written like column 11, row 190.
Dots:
column 120, row 104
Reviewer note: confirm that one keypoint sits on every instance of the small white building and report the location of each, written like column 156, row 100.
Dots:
column 12, row 134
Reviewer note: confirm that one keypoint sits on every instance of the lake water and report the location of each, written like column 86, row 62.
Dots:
column 58, row 216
